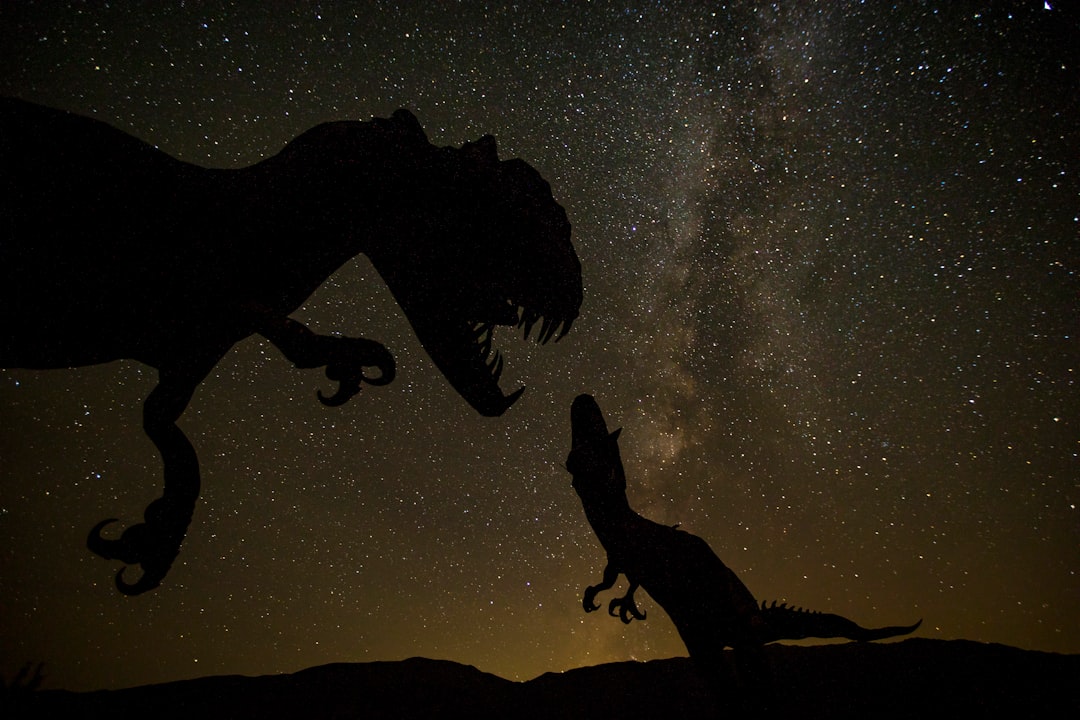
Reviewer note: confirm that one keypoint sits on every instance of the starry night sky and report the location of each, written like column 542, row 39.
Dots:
column 830, row 261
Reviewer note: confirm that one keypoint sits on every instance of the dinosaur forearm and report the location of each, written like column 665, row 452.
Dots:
column 294, row 339
column 345, row 358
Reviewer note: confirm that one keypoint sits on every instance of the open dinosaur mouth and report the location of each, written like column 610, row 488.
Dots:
column 472, row 365
column 527, row 320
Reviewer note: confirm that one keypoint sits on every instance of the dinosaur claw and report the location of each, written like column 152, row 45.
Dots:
column 99, row 545
column 347, row 368
column 625, row 609
column 346, row 390
column 143, row 584
column 617, row 609
column 153, row 545
column 587, row 601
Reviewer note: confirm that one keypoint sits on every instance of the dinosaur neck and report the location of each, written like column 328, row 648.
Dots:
column 611, row 518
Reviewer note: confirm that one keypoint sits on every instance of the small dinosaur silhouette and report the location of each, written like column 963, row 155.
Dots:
column 709, row 605
column 110, row 249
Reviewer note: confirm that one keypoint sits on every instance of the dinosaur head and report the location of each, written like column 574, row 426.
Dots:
column 482, row 243
column 594, row 460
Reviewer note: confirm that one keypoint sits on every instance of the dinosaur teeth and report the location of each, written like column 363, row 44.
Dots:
column 545, row 331
column 480, row 330
column 482, row 333
column 496, row 366
column 564, row 328
column 549, row 327
column 528, row 320
column 513, row 397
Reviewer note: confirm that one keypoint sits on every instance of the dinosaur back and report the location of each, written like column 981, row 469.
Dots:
column 87, row 234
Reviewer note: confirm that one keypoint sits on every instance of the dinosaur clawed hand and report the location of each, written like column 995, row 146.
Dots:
column 346, row 362
column 153, row 545
column 589, row 600
column 625, row 609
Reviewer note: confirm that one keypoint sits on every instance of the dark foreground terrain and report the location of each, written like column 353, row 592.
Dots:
column 916, row 677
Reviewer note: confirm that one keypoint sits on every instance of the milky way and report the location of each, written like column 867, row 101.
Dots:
column 830, row 259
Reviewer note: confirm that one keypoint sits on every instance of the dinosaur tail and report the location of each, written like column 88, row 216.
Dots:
column 784, row 623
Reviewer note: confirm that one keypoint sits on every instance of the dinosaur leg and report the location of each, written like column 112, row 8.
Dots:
column 345, row 358
column 611, row 574
column 626, row 607
column 155, row 543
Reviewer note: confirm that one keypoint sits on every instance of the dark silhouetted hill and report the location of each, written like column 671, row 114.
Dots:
column 917, row 677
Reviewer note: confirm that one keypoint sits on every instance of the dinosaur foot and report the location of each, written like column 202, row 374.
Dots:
column 625, row 609
column 153, row 545
column 347, row 358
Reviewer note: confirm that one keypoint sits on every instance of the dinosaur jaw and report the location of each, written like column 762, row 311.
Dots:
column 463, row 352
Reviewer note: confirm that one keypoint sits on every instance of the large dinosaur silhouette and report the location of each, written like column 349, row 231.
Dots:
column 709, row 605
column 110, row 248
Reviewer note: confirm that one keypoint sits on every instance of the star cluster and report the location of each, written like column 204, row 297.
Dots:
column 830, row 256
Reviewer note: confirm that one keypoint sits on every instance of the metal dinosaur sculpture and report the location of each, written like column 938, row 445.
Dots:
column 709, row 605
column 110, row 249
